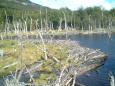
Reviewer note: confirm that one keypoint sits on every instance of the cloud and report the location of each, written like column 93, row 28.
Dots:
column 75, row 4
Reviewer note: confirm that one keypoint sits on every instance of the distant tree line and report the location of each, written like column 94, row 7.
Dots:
column 81, row 19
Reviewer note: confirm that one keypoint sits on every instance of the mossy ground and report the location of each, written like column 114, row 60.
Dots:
column 30, row 53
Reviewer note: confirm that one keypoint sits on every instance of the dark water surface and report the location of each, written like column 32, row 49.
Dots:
column 99, row 76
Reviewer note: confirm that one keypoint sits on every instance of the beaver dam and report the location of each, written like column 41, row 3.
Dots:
column 46, row 63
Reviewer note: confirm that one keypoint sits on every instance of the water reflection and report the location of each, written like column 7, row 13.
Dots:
column 106, row 45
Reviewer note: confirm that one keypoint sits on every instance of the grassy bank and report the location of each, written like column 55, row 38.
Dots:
column 16, row 57
column 63, row 59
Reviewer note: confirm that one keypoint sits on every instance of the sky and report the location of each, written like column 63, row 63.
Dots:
column 76, row 4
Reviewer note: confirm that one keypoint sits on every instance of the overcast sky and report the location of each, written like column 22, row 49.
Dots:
column 76, row 4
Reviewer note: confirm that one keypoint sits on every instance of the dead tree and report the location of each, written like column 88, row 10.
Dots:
column 60, row 25
column 41, row 24
column 41, row 37
column 31, row 24
column 46, row 21
column 72, row 20
column 6, row 23
column 89, row 23
column 65, row 23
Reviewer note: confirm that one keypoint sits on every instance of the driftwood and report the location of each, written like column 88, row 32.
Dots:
column 7, row 66
column 84, row 59
column 94, row 58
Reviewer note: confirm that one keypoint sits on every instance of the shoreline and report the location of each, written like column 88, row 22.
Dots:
column 35, row 34
column 84, row 59
column 94, row 60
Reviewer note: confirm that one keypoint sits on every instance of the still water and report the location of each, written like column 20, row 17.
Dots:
column 99, row 76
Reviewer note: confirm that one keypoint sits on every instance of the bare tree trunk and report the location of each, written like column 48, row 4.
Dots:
column 41, row 37
column 74, row 26
column 52, row 26
column 100, row 25
column 82, row 28
column 31, row 24
column 109, row 27
column 2, row 37
column 60, row 25
column 41, row 24
column 44, row 46
column 6, row 23
column 14, row 27
column 46, row 21
column 65, row 21
column 72, row 21
column 102, row 20
column 89, row 23
column 65, row 24
column 25, row 26
column 95, row 24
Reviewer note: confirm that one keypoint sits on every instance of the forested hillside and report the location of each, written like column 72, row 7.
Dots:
column 12, row 11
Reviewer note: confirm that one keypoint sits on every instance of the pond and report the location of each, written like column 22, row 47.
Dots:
column 99, row 76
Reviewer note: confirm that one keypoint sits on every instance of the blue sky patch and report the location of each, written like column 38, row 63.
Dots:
column 76, row 4
column 110, row 1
